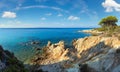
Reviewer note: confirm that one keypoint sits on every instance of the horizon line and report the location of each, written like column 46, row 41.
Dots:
column 40, row 27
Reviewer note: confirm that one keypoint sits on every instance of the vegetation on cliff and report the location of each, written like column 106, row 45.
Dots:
column 109, row 26
column 9, row 63
column 109, row 21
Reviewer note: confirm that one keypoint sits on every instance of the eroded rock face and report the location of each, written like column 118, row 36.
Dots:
column 99, row 53
column 87, row 43
column 52, row 53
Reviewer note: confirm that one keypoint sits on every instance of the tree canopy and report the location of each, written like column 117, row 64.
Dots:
column 108, row 21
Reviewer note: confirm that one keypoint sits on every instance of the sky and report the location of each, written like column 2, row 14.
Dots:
column 56, row 13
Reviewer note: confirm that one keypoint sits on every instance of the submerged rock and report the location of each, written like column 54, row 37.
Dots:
column 35, row 42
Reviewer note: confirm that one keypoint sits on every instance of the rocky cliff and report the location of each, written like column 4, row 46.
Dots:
column 99, row 54
column 9, row 63
column 89, row 54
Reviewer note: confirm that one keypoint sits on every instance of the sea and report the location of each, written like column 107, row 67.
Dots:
column 17, row 40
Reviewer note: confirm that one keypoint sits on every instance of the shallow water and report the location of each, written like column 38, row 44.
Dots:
column 15, row 39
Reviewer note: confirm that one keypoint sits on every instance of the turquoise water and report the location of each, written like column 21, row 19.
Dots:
column 14, row 39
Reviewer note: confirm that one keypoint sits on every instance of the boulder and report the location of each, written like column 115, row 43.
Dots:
column 35, row 43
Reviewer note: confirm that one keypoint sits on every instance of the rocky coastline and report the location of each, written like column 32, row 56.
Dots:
column 89, row 54
column 92, row 31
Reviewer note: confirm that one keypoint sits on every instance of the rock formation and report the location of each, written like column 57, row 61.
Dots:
column 89, row 54
column 99, row 54
column 87, row 43
column 9, row 63
column 52, row 53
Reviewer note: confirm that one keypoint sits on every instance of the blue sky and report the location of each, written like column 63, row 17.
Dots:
column 56, row 13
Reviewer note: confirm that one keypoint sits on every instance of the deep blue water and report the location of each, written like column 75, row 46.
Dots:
column 14, row 39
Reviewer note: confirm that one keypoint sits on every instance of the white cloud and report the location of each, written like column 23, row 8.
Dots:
column 8, row 14
column 44, row 7
column 111, row 5
column 13, row 22
column 19, row 26
column 59, row 15
column 10, row 23
column 43, row 18
column 73, row 18
column 48, row 14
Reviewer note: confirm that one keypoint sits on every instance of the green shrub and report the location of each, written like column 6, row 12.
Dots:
column 15, row 68
column 100, row 29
